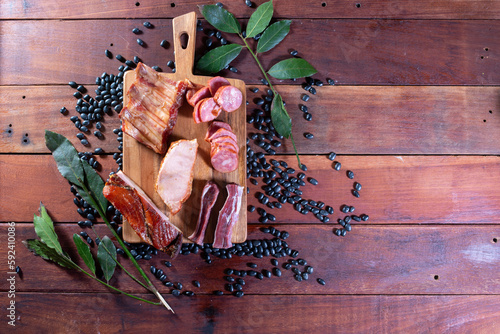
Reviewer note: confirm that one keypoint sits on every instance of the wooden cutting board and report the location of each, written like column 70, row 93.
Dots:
column 142, row 164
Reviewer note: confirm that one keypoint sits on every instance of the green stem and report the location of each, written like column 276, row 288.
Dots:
column 118, row 263
column 254, row 55
column 116, row 289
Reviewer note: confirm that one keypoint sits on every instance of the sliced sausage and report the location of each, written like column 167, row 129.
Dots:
column 226, row 142
column 216, row 125
column 229, row 98
column 222, row 132
column 215, row 83
column 224, row 160
column 209, row 110
column 196, row 112
column 199, row 95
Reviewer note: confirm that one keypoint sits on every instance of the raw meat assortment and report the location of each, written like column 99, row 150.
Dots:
column 224, row 148
column 144, row 217
column 208, row 198
column 175, row 179
column 210, row 100
column 151, row 112
column 228, row 216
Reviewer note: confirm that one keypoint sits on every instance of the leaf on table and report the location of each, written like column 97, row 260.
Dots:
column 66, row 156
column 292, row 68
column 41, row 249
column 83, row 249
column 107, row 260
column 217, row 59
column 281, row 120
column 260, row 19
column 220, row 18
column 273, row 35
column 95, row 185
column 44, row 228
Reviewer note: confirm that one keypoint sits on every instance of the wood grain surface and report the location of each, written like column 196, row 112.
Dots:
column 362, row 119
column 366, row 52
column 142, row 164
column 383, row 9
column 409, row 260
column 396, row 189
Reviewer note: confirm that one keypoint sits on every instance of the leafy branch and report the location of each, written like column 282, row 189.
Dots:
column 219, row 58
column 89, row 185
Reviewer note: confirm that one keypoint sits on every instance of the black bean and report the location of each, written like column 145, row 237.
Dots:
column 351, row 209
column 148, row 25
column 164, row 44
column 136, row 31
column 196, row 284
column 303, row 167
column 228, row 271
column 239, row 294
column 321, row 281
column 350, row 174
column 338, row 232
column 274, row 262
column 356, row 218
column 364, row 217
column 119, row 57
column 332, row 156
column 312, row 90
column 218, row 293
column 347, row 219
column 330, row 81
column 73, row 84
column 84, row 142
column 141, row 43
column 312, row 181
column 276, row 272
column 294, row 52
column 80, row 135
column 298, row 278
column 248, row 3
column 348, row 227
column 266, row 273
column 178, row 285
column 357, row 186
column 355, row 193
column 176, row 293
column 307, row 116
column 305, row 97
column 77, row 95
column 344, row 208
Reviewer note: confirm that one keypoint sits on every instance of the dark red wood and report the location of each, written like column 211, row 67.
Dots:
column 369, row 52
column 107, row 313
column 369, row 260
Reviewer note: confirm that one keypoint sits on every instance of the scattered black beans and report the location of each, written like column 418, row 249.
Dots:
column 305, row 97
column 141, row 42
column 136, row 31
column 355, row 193
column 164, row 44
column 337, row 166
column 312, row 181
column 148, row 25
column 308, row 135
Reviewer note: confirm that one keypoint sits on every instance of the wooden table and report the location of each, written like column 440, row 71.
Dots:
column 415, row 114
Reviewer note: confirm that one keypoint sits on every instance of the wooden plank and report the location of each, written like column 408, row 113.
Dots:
column 142, row 164
column 396, row 189
column 105, row 313
column 370, row 52
column 398, row 260
column 361, row 119
column 446, row 9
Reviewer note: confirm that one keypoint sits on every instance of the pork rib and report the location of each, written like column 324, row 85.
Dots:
column 151, row 112
column 228, row 216
column 208, row 198
column 152, row 226
column 175, row 179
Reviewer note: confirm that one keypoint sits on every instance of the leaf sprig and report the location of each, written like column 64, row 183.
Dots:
column 89, row 185
column 219, row 58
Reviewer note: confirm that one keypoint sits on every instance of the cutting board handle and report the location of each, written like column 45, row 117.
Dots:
column 184, row 57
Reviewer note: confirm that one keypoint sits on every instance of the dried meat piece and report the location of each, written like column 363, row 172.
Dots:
column 228, row 216
column 208, row 198
column 153, row 103
column 152, row 226
column 175, row 179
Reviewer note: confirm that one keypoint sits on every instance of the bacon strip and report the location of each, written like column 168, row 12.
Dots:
column 151, row 112
column 228, row 216
column 152, row 226
column 175, row 179
column 208, row 198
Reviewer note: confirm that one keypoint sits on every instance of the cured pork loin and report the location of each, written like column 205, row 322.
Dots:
column 208, row 198
column 175, row 179
column 224, row 148
column 142, row 214
column 228, row 216
column 151, row 112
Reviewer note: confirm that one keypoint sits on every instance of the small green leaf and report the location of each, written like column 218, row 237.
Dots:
column 66, row 156
column 217, row 59
column 47, row 253
column 281, row 120
column 292, row 68
column 95, row 185
column 44, row 228
column 260, row 19
column 83, row 249
column 273, row 35
column 220, row 18
column 107, row 261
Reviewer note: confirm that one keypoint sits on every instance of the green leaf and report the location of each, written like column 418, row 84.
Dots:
column 44, row 228
column 292, row 68
column 95, row 185
column 273, row 35
column 260, row 19
column 84, row 251
column 107, row 261
column 217, row 59
column 220, row 18
column 281, row 120
column 66, row 156
column 38, row 247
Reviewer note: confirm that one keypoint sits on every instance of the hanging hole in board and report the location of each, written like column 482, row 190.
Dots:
column 323, row 4
column 184, row 40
